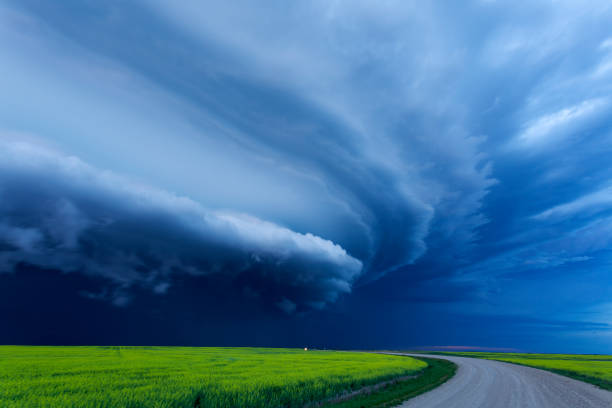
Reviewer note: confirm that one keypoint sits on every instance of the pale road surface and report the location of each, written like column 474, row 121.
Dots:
column 492, row 384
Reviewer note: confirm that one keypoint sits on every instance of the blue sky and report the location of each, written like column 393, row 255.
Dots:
column 441, row 171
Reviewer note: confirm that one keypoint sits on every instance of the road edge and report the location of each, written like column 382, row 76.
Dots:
column 437, row 372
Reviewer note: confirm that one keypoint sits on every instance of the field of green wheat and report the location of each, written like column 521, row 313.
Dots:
column 596, row 369
column 99, row 377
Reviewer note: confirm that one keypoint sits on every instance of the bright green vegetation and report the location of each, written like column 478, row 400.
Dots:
column 595, row 369
column 61, row 377
column 436, row 373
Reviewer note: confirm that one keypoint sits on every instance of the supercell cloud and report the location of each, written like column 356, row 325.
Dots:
column 329, row 187
column 60, row 213
column 346, row 157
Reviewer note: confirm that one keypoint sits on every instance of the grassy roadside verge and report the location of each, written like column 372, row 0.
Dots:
column 437, row 372
column 592, row 369
column 606, row 385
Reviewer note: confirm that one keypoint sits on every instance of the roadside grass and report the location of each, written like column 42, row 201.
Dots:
column 591, row 368
column 437, row 372
column 168, row 377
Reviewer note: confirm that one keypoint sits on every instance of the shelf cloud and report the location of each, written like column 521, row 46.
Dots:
column 59, row 212
column 328, row 158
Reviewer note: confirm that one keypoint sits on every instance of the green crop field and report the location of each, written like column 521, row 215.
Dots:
column 61, row 377
column 595, row 369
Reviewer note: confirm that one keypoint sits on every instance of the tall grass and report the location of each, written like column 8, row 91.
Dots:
column 99, row 377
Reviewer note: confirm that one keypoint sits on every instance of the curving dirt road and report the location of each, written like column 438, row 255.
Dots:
column 492, row 384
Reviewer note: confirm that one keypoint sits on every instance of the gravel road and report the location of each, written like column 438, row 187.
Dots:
column 492, row 384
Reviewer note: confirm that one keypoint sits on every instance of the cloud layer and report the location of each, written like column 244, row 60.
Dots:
column 306, row 149
column 454, row 155
column 60, row 213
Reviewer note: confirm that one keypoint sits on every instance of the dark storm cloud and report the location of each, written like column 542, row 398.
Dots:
column 361, row 176
column 58, row 212
column 427, row 154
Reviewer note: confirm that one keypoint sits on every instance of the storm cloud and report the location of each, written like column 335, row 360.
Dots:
column 345, row 157
column 60, row 213
column 376, row 190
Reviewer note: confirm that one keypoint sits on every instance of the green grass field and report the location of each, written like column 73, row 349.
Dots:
column 595, row 369
column 61, row 377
